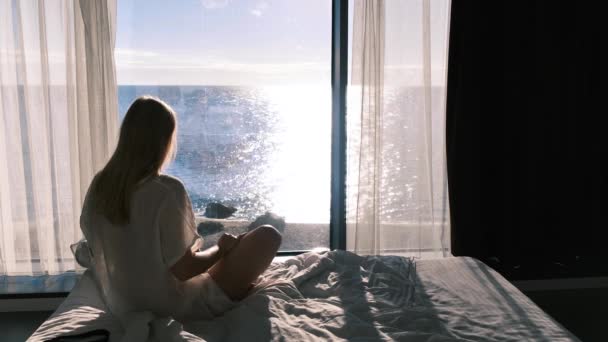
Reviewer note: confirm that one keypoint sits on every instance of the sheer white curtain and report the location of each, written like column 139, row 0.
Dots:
column 397, row 184
column 58, row 124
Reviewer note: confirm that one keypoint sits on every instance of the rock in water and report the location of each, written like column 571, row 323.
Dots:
column 209, row 227
column 269, row 218
column 218, row 210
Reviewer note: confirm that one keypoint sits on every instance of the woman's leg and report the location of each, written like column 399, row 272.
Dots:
column 235, row 272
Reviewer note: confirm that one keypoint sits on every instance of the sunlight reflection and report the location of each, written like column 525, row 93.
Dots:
column 300, row 166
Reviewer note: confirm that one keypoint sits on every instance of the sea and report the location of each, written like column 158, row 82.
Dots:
column 258, row 149
column 262, row 149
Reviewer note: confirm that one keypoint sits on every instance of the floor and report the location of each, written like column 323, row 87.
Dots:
column 18, row 326
column 584, row 311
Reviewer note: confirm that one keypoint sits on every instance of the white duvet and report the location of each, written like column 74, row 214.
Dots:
column 342, row 296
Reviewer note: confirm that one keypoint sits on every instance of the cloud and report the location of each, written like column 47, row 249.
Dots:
column 131, row 53
column 149, row 67
column 214, row 4
column 259, row 8
column 152, row 60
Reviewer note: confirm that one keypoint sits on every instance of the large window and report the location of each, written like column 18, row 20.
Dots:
column 260, row 92
column 251, row 83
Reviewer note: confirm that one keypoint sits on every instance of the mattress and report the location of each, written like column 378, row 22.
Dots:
column 342, row 296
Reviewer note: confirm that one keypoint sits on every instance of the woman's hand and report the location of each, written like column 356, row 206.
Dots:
column 227, row 242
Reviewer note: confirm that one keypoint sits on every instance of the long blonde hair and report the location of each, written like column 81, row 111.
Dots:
column 147, row 142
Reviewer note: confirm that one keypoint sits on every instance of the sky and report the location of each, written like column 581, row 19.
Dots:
column 261, row 42
column 223, row 42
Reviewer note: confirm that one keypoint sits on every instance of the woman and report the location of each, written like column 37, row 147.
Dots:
column 141, row 231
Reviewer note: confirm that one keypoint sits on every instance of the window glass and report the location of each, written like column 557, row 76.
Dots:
column 250, row 81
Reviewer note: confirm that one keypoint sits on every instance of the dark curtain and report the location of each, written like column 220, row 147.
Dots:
column 527, row 115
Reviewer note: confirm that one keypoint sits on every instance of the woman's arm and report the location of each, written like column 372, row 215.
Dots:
column 195, row 263
column 192, row 264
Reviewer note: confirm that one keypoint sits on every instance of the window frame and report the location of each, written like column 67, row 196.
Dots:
column 339, row 78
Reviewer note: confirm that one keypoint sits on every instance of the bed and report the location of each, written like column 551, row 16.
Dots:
column 339, row 296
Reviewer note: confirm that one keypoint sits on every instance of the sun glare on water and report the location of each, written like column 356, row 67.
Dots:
column 299, row 169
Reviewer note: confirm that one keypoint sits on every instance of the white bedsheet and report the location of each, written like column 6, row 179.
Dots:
column 341, row 296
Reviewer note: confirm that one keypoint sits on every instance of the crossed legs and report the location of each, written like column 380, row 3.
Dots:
column 235, row 272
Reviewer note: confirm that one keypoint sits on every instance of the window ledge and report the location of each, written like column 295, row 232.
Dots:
column 296, row 236
column 38, row 285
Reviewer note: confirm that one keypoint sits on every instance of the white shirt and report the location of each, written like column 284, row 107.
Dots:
column 131, row 262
